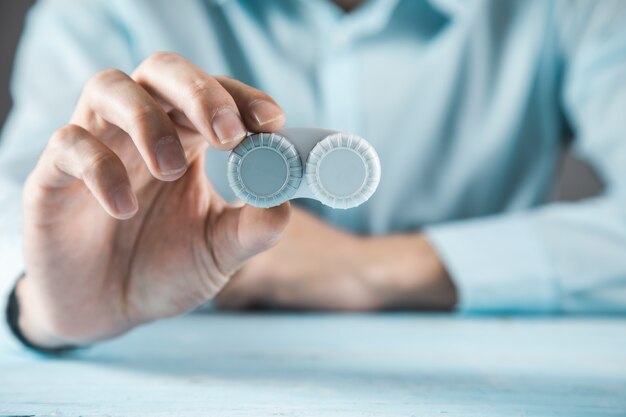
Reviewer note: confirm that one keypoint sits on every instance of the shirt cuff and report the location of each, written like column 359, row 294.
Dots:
column 11, row 256
column 498, row 264
column 11, row 269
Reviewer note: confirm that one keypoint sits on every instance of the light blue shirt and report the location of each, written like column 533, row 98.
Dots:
column 468, row 103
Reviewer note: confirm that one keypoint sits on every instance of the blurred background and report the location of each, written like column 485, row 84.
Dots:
column 12, row 15
column 575, row 181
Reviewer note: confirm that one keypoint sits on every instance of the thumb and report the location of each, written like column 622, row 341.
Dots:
column 241, row 232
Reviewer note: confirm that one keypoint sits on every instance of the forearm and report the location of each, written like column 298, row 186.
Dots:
column 561, row 257
column 407, row 273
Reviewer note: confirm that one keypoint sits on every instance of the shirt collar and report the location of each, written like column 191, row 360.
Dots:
column 449, row 7
column 368, row 18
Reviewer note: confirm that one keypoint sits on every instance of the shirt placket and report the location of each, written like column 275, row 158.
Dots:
column 338, row 75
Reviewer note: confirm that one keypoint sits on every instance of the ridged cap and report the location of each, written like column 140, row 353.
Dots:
column 343, row 171
column 264, row 170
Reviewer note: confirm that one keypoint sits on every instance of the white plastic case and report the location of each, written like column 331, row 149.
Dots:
column 338, row 169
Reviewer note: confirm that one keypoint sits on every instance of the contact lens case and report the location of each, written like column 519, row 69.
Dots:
column 338, row 169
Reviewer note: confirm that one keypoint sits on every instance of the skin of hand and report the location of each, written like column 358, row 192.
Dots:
column 318, row 267
column 122, row 226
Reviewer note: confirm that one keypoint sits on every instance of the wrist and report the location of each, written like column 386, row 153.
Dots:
column 28, row 325
column 406, row 273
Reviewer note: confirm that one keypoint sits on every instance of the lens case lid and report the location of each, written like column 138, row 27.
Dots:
column 341, row 170
column 264, row 170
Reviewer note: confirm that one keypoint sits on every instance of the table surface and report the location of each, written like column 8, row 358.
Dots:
column 332, row 365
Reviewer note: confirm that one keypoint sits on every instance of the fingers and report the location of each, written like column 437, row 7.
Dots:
column 180, row 85
column 75, row 154
column 259, row 111
column 242, row 232
column 220, row 109
column 113, row 97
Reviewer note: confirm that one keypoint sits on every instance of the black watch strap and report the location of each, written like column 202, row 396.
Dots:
column 13, row 315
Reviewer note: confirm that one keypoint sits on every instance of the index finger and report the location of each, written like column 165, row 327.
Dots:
column 180, row 85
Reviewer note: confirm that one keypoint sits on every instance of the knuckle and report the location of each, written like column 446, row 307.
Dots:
column 64, row 137
column 101, row 167
column 142, row 113
column 206, row 99
column 201, row 90
column 105, row 78
column 101, row 164
column 62, row 133
column 103, row 171
column 163, row 57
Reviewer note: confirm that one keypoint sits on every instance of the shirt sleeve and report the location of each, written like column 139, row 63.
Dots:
column 64, row 43
column 562, row 257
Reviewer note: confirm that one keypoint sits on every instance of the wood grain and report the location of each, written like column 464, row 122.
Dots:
column 332, row 365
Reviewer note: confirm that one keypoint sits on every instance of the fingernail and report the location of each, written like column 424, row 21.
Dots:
column 124, row 200
column 228, row 126
column 265, row 112
column 170, row 156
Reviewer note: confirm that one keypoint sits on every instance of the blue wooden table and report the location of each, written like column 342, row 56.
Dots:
column 332, row 365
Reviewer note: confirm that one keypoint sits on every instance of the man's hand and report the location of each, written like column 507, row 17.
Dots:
column 122, row 226
column 317, row 267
